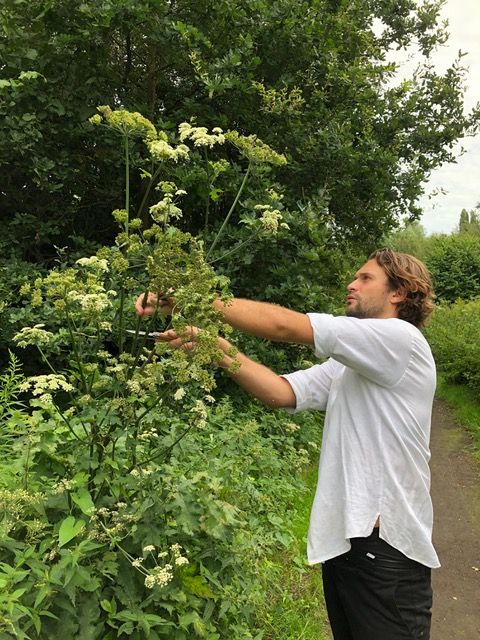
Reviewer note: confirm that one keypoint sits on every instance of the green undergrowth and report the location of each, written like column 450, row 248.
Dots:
column 466, row 406
column 294, row 606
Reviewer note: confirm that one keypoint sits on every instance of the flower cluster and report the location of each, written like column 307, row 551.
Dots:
column 16, row 508
column 15, row 502
column 63, row 485
column 161, row 150
column 107, row 524
column 270, row 218
column 292, row 427
column 149, row 434
column 126, row 122
column 160, row 577
column 199, row 414
column 93, row 304
column 255, row 150
column 179, row 393
column 178, row 559
column 94, row 262
column 165, row 209
column 140, row 473
column 35, row 335
column 46, row 384
column 200, row 136
column 161, row 574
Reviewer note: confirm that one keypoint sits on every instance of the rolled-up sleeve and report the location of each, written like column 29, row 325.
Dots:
column 312, row 386
column 379, row 349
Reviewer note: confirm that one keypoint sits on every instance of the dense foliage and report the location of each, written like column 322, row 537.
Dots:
column 171, row 545
column 454, row 262
column 310, row 77
column 135, row 500
column 453, row 334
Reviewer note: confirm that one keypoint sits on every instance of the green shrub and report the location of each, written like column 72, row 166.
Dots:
column 134, row 500
column 453, row 332
column 454, row 262
column 168, row 549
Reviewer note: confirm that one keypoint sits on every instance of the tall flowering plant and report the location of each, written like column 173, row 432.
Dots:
column 111, row 408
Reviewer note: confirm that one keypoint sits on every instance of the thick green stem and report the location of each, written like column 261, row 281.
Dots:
column 232, row 208
column 127, row 209
column 236, row 248
column 147, row 191
column 27, row 466
column 121, row 320
column 140, row 418
column 169, row 448
column 46, row 360
column 75, row 351
column 127, row 184
column 72, row 431
column 207, row 208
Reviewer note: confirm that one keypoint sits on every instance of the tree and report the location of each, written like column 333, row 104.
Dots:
column 410, row 238
column 469, row 223
column 310, row 77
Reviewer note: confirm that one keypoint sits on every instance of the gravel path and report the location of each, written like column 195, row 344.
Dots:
column 456, row 503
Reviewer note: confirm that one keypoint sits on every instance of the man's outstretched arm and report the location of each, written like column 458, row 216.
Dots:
column 258, row 380
column 260, row 319
column 266, row 320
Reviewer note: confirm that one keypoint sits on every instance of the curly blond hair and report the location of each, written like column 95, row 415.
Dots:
column 408, row 274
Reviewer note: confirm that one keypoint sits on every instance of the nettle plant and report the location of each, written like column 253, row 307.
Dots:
column 97, row 537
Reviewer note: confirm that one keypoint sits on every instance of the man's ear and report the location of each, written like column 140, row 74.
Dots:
column 398, row 296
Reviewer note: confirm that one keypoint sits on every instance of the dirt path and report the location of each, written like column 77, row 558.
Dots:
column 456, row 502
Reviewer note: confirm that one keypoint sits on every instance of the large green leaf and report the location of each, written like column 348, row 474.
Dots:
column 83, row 499
column 69, row 529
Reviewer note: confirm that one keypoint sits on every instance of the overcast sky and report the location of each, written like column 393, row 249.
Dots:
column 461, row 180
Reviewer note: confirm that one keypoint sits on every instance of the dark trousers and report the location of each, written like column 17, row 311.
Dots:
column 374, row 592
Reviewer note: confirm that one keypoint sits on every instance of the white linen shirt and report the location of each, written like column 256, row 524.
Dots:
column 377, row 388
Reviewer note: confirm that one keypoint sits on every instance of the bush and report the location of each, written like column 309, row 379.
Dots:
column 454, row 262
column 168, row 548
column 132, row 501
column 453, row 331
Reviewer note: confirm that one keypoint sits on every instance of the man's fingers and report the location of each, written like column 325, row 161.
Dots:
column 169, row 336
column 185, row 340
column 164, row 302
column 146, row 306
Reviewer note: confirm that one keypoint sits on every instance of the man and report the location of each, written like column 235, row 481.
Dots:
column 371, row 520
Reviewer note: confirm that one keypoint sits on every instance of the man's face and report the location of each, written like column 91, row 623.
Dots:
column 369, row 295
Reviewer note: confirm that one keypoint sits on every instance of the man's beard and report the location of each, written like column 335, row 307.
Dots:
column 358, row 312
column 362, row 311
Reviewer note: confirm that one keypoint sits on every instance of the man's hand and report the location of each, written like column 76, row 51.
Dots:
column 147, row 304
column 186, row 341
column 255, row 378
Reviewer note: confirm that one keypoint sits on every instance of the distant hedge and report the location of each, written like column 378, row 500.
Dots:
column 453, row 333
column 454, row 262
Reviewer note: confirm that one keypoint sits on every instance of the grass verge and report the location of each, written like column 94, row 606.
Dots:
column 466, row 407
column 294, row 605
